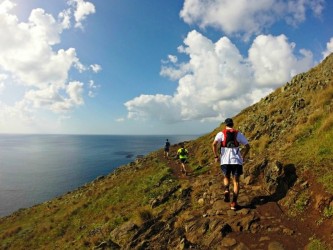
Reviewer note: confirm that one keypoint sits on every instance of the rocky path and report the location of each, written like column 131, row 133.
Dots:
column 196, row 217
column 258, row 224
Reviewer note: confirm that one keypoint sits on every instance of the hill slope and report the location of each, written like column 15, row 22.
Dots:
column 286, row 193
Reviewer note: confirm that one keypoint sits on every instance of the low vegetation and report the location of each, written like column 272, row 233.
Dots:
column 316, row 244
column 83, row 217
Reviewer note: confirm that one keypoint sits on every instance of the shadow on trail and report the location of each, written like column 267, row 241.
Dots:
column 278, row 187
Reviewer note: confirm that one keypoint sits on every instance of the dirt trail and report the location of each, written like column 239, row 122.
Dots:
column 270, row 225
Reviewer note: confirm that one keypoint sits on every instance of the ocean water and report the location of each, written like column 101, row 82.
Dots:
column 37, row 168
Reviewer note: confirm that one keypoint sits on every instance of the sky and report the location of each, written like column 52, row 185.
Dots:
column 150, row 67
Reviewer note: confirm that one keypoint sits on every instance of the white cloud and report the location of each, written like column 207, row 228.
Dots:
column 2, row 87
column 92, row 88
column 120, row 119
column 274, row 62
column 175, row 73
column 297, row 10
column 6, row 6
column 45, row 97
column 17, row 114
column 44, row 27
column 65, row 18
column 246, row 17
column 96, row 68
column 3, row 77
column 159, row 107
column 37, row 64
column 83, row 9
column 74, row 91
column 172, row 58
column 28, row 57
column 217, row 81
column 329, row 48
column 26, row 51
column 51, row 97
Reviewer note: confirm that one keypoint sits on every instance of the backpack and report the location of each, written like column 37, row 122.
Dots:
column 183, row 152
column 230, row 140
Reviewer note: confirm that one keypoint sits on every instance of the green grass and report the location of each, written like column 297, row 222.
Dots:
column 86, row 217
column 316, row 244
column 315, row 151
column 328, row 212
column 327, row 179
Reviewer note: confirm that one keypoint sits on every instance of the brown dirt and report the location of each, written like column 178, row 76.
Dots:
column 273, row 216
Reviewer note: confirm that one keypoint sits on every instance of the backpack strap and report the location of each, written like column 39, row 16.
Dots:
column 235, row 138
column 224, row 142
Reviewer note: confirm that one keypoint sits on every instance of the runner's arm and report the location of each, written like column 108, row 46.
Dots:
column 214, row 147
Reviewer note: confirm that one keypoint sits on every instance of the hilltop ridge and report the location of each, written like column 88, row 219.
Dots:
column 286, row 195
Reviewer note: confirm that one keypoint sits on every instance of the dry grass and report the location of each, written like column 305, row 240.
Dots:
column 324, row 97
column 327, row 124
column 260, row 146
column 314, row 117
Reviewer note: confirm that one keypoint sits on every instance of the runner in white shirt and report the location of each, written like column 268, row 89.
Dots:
column 231, row 158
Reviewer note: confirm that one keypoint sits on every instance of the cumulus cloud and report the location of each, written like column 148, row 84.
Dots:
column 149, row 106
column 83, row 9
column 247, row 17
column 274, row 62
column 217, row 81
column 329, row 48
column 51, row 98
column 28, row 57
column 6, row 5
column 172, row 72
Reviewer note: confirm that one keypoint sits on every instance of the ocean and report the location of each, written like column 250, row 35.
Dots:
column 37, row 168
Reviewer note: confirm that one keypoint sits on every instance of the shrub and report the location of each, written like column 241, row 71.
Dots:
column 316, row 244
column 328, row 212
column 144, row 215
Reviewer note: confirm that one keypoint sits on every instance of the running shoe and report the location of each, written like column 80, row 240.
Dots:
column 233, row 205
column 226, row 196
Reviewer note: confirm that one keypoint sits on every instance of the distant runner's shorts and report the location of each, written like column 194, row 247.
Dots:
column 166, row 149
column 183, row 160
column 234, row 169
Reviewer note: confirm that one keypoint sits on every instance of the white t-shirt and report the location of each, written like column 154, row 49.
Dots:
column 231, row 155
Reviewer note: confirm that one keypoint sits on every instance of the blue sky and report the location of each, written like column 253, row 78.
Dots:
column 150, row 67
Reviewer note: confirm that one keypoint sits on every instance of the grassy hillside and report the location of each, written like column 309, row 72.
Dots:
column 293, row 125
column 83, row 217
